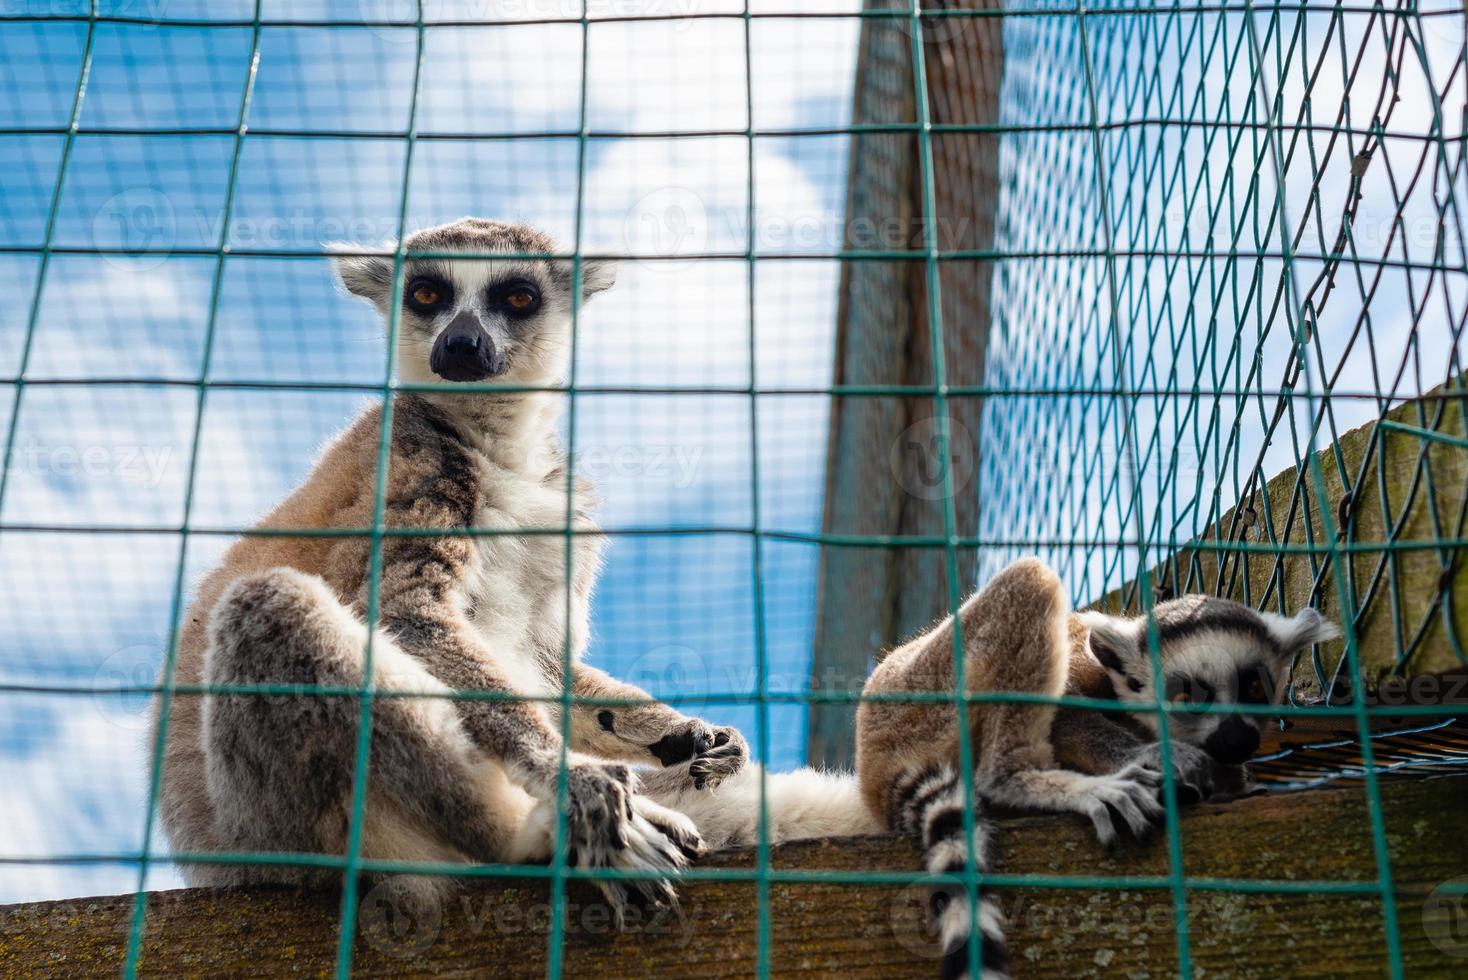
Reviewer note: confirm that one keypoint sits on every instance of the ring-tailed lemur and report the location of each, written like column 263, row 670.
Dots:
column 450, row 780
column 1018, row 637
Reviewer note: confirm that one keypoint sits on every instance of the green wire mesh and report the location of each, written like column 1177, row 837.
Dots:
column 1226, row 234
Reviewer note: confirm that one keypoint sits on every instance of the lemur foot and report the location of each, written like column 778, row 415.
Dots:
column 658, row 839
column 611, row 826
column 1130, row 794
column 712, row 753
column 599, row 806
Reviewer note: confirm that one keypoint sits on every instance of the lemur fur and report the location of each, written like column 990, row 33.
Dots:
column 449, row 780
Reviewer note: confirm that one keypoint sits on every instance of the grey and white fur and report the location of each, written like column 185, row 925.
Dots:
column 1019, row 637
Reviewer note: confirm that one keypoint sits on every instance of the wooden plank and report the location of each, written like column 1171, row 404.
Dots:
column 857, row 931
column 882, row 468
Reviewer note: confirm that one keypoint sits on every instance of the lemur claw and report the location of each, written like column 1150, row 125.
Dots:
column 598, row 799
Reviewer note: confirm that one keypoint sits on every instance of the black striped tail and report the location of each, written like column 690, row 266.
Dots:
column 929, row 806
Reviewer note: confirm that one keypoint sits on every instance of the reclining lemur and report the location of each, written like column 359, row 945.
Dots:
column 475, row 780
column 1019, row 638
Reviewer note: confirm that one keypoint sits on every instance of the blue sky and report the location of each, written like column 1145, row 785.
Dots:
column 675, row 613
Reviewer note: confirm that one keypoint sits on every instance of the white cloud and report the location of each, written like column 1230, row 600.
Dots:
column 77, row 783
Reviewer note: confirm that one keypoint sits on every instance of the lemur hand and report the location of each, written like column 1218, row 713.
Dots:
column 712, row 752
column 1195, row 773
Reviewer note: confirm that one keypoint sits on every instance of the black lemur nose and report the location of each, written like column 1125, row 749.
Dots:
column 1234, row 741
column 462, row 344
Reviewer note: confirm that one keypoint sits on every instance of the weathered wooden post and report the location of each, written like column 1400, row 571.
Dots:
column 882, row 473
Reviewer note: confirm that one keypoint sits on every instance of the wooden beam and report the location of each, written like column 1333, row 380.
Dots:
column 882, row 467
column 860, row 931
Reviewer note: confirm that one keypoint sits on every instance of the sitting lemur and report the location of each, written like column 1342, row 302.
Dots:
column 475, row 780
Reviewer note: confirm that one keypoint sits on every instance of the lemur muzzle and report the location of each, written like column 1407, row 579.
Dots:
column 1234, row 741
column 465, row 351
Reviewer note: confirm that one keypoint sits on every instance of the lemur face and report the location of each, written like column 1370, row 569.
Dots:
column 479, row 318
column 1214, row 652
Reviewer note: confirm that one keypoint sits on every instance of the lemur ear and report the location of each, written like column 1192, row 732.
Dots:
column 1113, row 641
column 367, row 276
column 597, row 275
column 1295, row 633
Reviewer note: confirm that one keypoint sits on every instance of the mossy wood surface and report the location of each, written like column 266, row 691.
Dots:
column 1411, row 603
column 866, row 930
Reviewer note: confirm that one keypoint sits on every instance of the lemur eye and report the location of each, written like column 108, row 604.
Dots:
column 522, row 299
column 1189, row 691
column 425, row 294
column 1253, row 687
